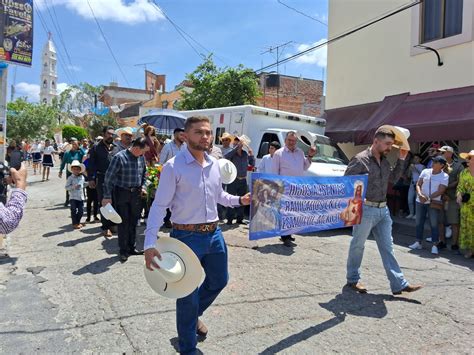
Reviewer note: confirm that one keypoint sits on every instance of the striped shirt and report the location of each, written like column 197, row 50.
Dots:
column 126, row 171
column 12, row 212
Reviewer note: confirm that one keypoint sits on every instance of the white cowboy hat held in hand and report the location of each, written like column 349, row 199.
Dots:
column 401, row 136
column 180, row 271
column 109, row 213
column 228, row 171
column 78, row 164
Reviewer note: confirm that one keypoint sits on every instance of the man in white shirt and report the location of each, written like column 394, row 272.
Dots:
column 290, row 161
column 172, row 148
column 266, row 162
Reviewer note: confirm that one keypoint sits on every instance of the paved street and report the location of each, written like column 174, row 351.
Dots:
column 65, row 291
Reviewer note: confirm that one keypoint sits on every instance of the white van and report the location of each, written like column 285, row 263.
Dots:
column 263, row 125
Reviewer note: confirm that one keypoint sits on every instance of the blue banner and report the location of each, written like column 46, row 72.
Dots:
column 283, row 205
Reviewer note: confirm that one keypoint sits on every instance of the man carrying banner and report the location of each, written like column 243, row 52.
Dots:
column 191, row 186
column 290, row 161
column 376, row 216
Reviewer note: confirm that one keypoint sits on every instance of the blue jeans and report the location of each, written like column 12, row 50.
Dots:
column 211, row 250
column 378, row 222
column 421, row 210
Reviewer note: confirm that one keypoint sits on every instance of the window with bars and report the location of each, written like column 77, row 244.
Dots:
column 441, row 19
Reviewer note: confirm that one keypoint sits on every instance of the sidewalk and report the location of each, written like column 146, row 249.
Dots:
column 64, row 291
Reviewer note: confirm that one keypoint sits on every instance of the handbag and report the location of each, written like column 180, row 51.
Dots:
column 437, row 205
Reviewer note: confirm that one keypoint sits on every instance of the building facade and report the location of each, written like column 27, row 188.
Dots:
column 292, row 94
column 49, row 76
column 385, row 74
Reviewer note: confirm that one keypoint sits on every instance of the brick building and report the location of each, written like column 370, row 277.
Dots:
column 292, row 94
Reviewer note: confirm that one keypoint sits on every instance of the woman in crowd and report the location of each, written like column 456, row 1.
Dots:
column 415, row 170
column 464, row 196
column 152, row 156
column 48, row 158
column 430, row 187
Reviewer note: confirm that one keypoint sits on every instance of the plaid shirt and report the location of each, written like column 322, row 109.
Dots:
column 125, row 170
column 11, row 213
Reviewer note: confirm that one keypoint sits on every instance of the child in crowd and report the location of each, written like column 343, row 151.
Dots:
column 48, row 158
column 74, row 185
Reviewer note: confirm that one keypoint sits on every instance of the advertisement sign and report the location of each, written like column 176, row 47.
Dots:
column 283, row 205
column 16, row 31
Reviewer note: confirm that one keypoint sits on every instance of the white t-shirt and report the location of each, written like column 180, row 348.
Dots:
column 48, row 150
column 265, row 164
column 438, row 179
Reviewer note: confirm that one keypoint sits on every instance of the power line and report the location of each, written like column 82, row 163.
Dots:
column 60, row 36
column 60, row 60
column 107, row 43
column 183, row 33
column 302, row 13
column 347, row 33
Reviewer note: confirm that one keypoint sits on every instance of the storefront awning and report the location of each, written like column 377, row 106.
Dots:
column 432, row 116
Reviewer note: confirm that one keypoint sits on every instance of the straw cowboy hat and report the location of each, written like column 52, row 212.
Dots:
column 244, row 140
column 228, row 171
column 76, row 163
column 180, row 271
column 226, row 135
column 466, row 156
column 401, row 136
column 126, row 130
column 109, row 213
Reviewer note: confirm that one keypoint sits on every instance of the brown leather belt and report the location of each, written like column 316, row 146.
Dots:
column 200, row 228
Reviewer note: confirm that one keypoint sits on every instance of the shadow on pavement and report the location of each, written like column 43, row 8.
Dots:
column 97, row 267
column 347, row 302
column 62, row 230
column 110, row 245
column 6, row 259
column 279, row 249
column 59, row 206
column 72, row 243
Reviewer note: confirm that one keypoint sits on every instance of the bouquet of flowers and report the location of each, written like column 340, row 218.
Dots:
column 152, row 179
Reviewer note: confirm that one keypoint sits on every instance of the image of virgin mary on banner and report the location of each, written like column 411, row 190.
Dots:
column 283, row 205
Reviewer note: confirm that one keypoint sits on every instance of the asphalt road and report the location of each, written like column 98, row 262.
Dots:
column 65, row 291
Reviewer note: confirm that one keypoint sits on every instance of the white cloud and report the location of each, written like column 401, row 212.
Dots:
column 32, row 91
column 137, row 11
column 318, row 56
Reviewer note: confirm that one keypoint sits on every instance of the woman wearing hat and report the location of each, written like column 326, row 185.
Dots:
column 464, row 197
column 430, row 187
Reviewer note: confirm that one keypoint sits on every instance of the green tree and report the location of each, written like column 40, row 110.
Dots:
column 27, row 120
column 220, row 87
column 70, row 131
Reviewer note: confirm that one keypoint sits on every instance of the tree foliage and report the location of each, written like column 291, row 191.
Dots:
column 27, row 120
column 220, row 87
column 70, row 131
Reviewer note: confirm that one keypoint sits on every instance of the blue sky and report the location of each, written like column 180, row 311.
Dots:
column 236, row 31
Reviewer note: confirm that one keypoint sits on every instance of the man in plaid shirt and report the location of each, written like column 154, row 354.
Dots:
column 125, row 179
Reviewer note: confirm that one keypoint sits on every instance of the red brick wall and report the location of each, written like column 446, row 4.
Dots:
column 294, row 95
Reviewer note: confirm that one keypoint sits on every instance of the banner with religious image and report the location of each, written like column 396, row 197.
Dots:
column 283, row 205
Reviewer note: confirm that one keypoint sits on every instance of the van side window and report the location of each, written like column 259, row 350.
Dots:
column 219, row 132
column 265, row 143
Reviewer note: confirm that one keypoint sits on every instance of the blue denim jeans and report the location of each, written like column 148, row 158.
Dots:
column 378, row 222
column 211, row 250
column 421, row 211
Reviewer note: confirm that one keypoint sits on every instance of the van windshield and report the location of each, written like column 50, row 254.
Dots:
column 327, row 152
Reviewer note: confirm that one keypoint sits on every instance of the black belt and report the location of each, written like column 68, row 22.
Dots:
column 129, row 189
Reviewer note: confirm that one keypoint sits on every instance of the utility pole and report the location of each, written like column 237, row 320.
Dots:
column 272, row 49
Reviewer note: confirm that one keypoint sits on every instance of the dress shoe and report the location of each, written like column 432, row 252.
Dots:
column 123, row 258
column 201, row 329
column 288, row 243
column 409, row 288
column 229, row 222
column 292, row 238
column 136, row 252
column 357, row 286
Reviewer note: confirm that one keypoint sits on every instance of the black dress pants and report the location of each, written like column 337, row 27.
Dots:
column 128, row 204
column 106, row 224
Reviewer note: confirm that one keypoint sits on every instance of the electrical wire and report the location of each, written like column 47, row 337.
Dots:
column 183, row 34
column 59, row 56
column 302, row 13
column 107, row 43
column 343, row 35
